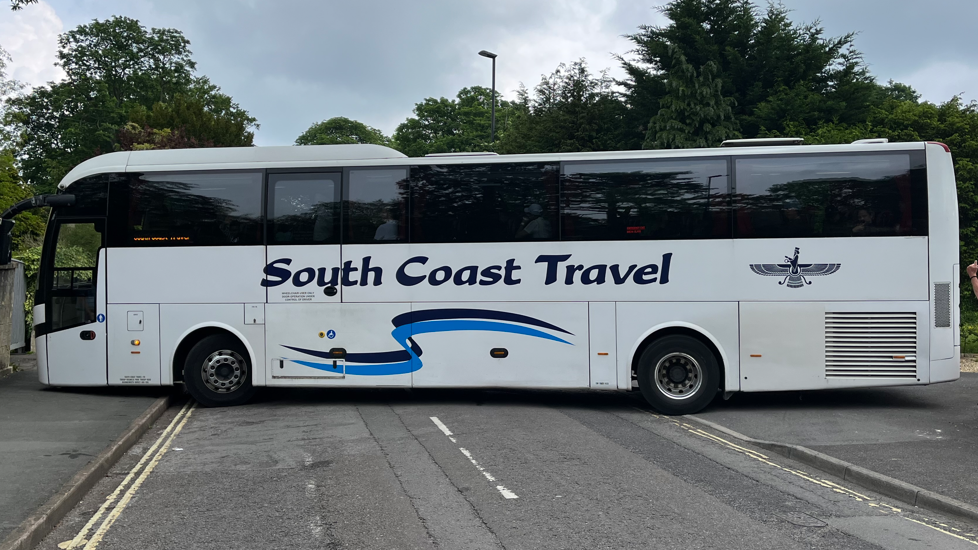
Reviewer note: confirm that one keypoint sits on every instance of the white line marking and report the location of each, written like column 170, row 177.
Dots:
column 503, row 490
column 468, row 455
column 316, row 523
column 444, row 429
column 506, row 492
column 80, row 537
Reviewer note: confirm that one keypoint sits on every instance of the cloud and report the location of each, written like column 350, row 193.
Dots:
column 298, row 62
column 940, row 81
column 30, row 36
column 292, row 64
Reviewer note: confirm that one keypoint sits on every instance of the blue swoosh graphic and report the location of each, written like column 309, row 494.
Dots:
column 428, row 321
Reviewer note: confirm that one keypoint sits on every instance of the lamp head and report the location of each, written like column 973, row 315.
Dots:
column 485, row 53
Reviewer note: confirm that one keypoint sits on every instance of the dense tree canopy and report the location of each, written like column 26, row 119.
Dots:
column 341, row 130
column 569, row 110
column 773, row 70
column 693, row 112
column 125, row 87
column 453, row 125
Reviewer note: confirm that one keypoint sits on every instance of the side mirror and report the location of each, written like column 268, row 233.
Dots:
column 54, row 201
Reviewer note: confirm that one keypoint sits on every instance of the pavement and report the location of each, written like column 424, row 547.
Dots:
column 924, row 435
column 49, row 435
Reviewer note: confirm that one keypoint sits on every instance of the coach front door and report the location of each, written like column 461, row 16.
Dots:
column 75, row 304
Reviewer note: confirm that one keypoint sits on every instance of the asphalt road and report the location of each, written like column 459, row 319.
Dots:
column 48, row 435
column 476, row 469
column 924, row 435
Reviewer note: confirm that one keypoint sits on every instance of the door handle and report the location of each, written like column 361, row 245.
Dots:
column 87, row 335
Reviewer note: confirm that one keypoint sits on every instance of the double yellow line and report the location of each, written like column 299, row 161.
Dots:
column 129, row 485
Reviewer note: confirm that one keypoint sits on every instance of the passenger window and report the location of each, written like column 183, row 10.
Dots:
column 375, row 209
column 484, row 203
column 830, row 196
column 218, row 208
column 645, row 200
column 303, row 208
column 73, row 281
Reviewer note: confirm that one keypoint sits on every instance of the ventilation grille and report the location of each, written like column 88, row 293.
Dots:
column 942, row 305
column 870, row 345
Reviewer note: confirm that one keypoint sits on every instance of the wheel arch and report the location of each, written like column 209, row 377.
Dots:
column 684, row 328
column 195, row 334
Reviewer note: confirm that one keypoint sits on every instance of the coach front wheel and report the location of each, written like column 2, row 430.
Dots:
column 678, row 374
column 217, row 372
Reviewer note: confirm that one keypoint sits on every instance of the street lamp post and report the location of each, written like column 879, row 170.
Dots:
column 490, row 55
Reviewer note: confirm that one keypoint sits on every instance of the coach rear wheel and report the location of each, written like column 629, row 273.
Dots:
column 678, row 374
column 216, row 372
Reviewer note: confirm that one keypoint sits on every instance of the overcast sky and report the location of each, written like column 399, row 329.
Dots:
column 295, row 62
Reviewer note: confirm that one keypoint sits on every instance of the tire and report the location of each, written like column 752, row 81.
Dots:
column 678, row 374
column 217, row 372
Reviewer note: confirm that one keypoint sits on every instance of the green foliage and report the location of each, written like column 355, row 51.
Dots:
column 570, row 110
column 184, row 122
column 19, row 4
column 341, row 130
column 774, row 70
column 135, row 64
column 29, row 225
column 32, row 264
column 452, row 125
column 117, row 73
column 8, row 88
column 694, row 112
column 66, row 255
column 969, row 322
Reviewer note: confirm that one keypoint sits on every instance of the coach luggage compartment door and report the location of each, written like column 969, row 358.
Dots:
column 499, row 344
column 336, row 345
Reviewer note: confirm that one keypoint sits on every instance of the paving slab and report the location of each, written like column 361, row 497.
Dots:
column 924, row 435
column 47, row 435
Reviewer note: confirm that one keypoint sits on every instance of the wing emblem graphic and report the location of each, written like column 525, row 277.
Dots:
column 795, row 275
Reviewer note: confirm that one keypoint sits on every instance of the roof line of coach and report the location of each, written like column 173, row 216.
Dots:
column 327, row 156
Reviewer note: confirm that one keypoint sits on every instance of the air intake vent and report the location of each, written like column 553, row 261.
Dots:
column 942, row 305
column 870, row 345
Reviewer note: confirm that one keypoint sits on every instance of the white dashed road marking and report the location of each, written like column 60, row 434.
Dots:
column 444, row 429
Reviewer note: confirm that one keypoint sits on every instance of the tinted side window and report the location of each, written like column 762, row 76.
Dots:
column 303, row 208
column 376, row 206
column 222, row 208
column 830, row 196
column 484, row 203
column 91, row 195
column 668, row 199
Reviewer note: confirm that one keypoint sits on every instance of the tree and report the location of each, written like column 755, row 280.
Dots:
column 19, row 4
column 135, row 64
column 452, row 125
column 570, row 110
column 775, row 71
column 8, row 88
column 117, row 73
column 693, row 112
column 184, row 122
column 29, row 226
column 339, row 130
